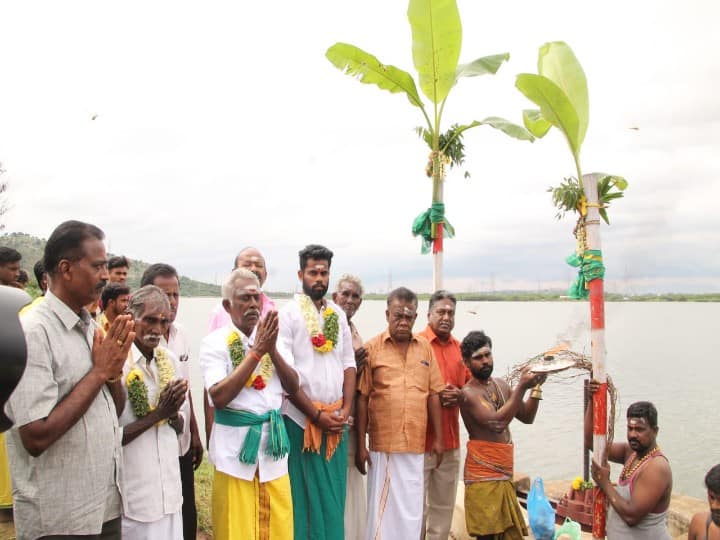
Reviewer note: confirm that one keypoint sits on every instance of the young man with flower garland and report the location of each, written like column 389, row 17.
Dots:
column 152, row 423
column 317, row 332
column 246, row 372
column 399, row 390
column 174, row 338
column 65, row 447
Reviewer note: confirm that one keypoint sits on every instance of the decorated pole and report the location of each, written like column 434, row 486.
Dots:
column 597, row 344
column 438, row 179
column 436, row 42
column 559, row 89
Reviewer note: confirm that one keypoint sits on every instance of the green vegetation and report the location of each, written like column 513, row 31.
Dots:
column 32, row 249
column 560, row 91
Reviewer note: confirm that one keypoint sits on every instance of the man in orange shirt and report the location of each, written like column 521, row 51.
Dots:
column 441, row 479
column 399, row 388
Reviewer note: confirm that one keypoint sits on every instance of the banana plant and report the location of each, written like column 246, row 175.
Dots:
column 560, row 90
column 436, row 42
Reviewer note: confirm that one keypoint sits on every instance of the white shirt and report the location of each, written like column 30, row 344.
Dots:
column 227, row 441
column 150, row 475
column 321, row 374
column 180, row 347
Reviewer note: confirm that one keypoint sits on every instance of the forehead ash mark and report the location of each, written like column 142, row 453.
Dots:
column 320, row 267
column 444, row 305
column 249, row 288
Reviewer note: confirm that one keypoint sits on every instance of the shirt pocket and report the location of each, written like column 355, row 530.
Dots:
column 419, row 375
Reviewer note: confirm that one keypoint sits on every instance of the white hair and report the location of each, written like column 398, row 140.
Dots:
column 239, row 274
column 147, row 295
column 350, row 278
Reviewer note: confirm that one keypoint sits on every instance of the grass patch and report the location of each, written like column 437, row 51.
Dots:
column 203, row 496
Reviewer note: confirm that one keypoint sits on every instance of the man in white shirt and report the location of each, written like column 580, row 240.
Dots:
column 246, row 372
column 250, row 259
column 166, row 278
column 317, row 332
column 155, row 389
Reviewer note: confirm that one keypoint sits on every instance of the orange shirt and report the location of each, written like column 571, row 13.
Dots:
column 398, row 388
column 449, row 359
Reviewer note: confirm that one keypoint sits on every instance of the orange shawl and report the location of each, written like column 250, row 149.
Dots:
column 313, row 433
column 487, row 461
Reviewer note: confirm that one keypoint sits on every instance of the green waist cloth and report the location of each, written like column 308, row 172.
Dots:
column 278, row 443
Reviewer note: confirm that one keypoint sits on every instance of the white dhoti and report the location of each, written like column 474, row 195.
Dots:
column 168, row 528
column 355, row 496
column 395, row 496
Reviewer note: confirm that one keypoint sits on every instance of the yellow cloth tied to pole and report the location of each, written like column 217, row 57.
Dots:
column 313, row 433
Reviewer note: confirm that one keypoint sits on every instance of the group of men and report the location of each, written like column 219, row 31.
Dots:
column 299, row 411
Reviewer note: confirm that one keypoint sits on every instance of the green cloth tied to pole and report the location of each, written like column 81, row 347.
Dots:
column 425, row 225
column 278, row 443
column 590, row 267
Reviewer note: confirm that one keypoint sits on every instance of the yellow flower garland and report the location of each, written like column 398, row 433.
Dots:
column 322, row 341
column 259, row 379
column 137, row 389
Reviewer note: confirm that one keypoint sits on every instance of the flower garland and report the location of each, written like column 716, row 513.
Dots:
column 237, row 355
column 137, row 390
column 322, row 340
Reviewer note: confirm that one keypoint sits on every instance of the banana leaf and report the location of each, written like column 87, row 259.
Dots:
column 436, row 42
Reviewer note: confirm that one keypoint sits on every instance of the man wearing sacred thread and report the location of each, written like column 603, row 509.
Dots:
column 246, row 370
column 317, row 416
column 487, row 406
column 154, row 416
column 640, row 501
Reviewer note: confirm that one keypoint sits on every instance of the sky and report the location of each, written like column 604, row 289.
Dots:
column 219, row 125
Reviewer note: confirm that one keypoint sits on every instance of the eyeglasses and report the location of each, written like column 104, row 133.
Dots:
column 154, row 321
column 480, row 356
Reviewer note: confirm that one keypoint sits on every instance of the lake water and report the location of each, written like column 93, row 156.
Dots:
column 661, row 352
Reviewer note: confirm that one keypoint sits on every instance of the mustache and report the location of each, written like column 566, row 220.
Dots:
column 150, row 337
column 251, row 311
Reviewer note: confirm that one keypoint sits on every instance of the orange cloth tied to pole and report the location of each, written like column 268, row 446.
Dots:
column 313, row 433
column 487, row 461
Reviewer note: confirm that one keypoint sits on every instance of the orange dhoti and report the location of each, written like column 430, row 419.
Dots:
column 491, row 506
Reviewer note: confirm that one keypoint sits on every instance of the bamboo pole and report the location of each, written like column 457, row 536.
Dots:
column 438, row 261
column 437, row 249
column 597, row 347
